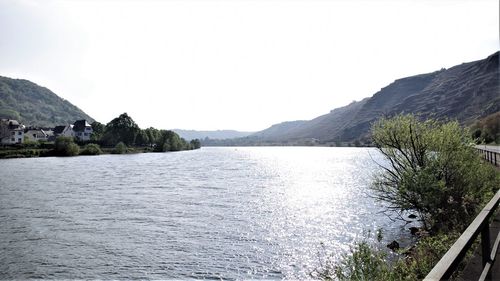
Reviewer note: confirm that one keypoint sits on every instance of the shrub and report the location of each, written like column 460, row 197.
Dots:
column 369, row 261
column 120, row 148
column 487, row 130
column 363, row 262
column 421, row 258
column 91, row 149
column 65, row 146
column 432, row 172
column 30, row 144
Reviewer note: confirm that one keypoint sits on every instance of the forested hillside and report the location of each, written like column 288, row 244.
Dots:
column 34, row 105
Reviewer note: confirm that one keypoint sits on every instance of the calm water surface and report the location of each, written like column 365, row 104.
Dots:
column 231, row 213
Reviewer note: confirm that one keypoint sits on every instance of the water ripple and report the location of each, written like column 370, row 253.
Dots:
column 214, row 213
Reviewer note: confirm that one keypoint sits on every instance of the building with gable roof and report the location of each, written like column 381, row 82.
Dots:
column 11, row 131
column 82, row 130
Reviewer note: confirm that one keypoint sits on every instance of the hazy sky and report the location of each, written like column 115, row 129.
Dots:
column 241, row 65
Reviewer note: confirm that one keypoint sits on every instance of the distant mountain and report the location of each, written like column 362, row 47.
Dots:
column 281, row 129
column 464, row 92
column 34, row 105
column 215, row 135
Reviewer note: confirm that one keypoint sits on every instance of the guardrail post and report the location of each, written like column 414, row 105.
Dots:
column 480, row 225
column 485, row 246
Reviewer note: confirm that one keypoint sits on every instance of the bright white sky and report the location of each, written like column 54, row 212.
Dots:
column 241, row 65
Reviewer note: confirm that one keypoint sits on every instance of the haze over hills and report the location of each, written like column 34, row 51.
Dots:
column 34, row 105
column 216, row 135
column 465, row 92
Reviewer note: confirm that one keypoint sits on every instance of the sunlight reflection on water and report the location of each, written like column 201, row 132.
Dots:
column 256, row 212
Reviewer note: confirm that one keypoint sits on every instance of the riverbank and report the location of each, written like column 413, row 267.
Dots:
column 48, row 150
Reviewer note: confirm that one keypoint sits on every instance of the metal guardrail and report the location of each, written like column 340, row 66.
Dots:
column 489, row 155
column 450, row 261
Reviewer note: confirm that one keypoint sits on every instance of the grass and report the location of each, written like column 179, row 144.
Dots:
column 8, row 152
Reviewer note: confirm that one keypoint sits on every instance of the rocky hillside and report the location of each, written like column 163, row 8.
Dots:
column 464, row 92
column 34, row 105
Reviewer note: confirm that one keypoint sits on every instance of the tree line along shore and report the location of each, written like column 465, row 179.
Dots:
column 121, row 135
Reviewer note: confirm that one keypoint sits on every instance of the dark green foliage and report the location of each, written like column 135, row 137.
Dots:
column 30, row 144
column 120, row 148
column 170, row 141
column 142, row 138
column 163, row 141
column 195, row 144
column 23, row 152
column 487, row 130
column 91, row 149
column 97, row 131
column 65, row 146
column 433, row 171
column 34, row 105
column 121, row 129
column 153, row 135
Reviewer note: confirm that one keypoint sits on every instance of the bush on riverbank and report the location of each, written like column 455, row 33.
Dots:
column 370, row 261
column 433, row 172
column 91, row 149
column 120, row 148
column 23, row 153
column 65, row 146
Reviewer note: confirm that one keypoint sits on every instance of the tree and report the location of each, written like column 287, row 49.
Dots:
column 163, row 141
column 432, row 171
column 66, row 146
column 121, row 129
column 487, row 130
column 153, row 135
column 169, row 141
column 142, row 138
column 97, row 131
column 195, row 144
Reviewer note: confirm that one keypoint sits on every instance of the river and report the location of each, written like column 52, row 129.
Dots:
column 230, row 213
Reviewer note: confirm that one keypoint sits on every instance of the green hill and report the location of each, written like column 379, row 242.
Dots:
column 34, row 105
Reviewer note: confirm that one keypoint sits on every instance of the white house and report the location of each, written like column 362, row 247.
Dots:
column 82, row 130
column 11, row 131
